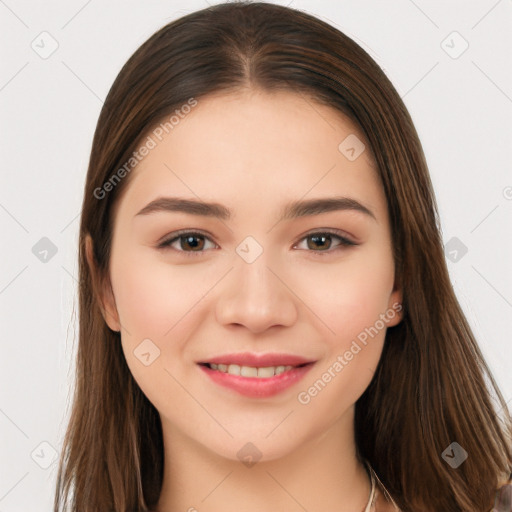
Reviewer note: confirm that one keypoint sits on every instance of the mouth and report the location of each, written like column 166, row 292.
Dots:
column 261, row 380
column 261, row 372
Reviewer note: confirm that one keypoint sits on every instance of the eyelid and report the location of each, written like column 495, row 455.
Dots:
column 175, row 234
column 166, row 241
column 329, row 231
column 346, row 240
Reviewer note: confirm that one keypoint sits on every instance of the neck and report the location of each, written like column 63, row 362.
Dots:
column 320, row 474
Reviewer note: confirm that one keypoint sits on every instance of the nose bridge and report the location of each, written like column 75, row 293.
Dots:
column 254, row 294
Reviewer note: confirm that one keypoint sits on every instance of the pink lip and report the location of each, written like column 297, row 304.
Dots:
column 255, row 387
column 258, row 360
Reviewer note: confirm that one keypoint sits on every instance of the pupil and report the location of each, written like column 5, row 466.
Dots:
column 188, row 240
column 316, row 237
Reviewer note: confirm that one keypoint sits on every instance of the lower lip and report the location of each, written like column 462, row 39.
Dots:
column 255, row 387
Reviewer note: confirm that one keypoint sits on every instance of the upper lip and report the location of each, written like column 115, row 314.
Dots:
column 259, row 360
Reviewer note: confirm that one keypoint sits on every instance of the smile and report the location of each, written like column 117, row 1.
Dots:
column 255, row 382
column 250, row 371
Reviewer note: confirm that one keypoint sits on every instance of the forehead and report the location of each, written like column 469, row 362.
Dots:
column 253, row 148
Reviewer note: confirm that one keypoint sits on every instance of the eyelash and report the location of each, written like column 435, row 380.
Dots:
column 344, row 242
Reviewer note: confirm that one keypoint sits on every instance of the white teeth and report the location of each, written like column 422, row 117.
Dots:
column 250, row 371
column 234, row 369
column 268, row 371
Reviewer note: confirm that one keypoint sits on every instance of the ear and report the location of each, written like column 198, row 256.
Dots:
column 395, row 306
column 102, row 289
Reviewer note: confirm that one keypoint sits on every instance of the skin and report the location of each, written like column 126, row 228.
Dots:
column 253, row 152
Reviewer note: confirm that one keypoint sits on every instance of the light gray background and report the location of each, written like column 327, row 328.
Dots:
column 49, row 106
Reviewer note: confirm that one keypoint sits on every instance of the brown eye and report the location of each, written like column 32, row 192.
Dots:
column 320, row 241
column 187, row 242
column 196, row 243
column 191, row 242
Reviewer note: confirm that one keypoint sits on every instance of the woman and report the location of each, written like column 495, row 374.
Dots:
column 266, row 316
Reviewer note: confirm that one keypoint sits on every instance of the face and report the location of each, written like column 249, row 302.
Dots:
column 253, row 275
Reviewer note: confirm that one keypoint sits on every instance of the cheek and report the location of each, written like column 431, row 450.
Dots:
column 154, row 298
column 350, row 297
column 165, row 304
column 158, row 305
column 351, row 306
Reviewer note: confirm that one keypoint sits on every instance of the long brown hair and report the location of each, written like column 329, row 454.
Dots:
column 432, row 386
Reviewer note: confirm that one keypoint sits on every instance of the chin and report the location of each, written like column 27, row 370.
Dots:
column 253, row 450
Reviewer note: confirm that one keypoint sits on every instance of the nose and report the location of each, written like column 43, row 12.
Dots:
column 256, row 296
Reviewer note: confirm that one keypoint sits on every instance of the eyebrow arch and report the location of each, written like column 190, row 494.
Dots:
column 292, row 210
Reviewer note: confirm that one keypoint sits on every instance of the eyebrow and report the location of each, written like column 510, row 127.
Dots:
column 292, row 210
